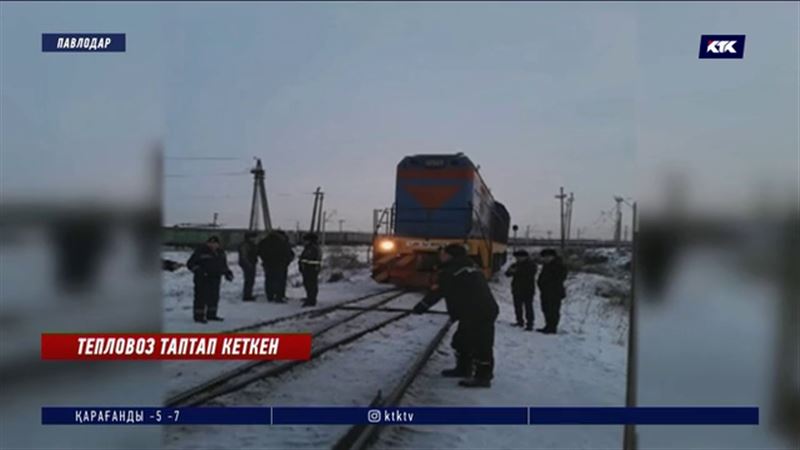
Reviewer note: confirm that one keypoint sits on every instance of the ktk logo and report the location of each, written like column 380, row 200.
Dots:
column 722, row 46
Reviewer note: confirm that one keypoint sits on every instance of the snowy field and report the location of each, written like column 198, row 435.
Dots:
column 583, row 365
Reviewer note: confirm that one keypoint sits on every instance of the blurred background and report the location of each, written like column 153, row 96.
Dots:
column 80, row 195
column 718, row 165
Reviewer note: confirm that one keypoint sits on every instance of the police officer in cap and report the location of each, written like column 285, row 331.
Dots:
column 523, row 287
column 310, row 265
column 469, row 301
column 209, row 264
column 551, row 289
column 248, row 258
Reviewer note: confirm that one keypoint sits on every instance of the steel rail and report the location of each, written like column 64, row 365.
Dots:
column 360, row 436
column 226, row 382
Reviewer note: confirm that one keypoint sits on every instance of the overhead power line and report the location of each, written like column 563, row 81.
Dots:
column 202, row 158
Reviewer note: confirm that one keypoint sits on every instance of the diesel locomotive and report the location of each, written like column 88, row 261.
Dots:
column 439, row 200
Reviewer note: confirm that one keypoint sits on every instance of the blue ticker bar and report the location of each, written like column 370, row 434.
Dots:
column 331, row 415
column 395, row 416
column 645, row 416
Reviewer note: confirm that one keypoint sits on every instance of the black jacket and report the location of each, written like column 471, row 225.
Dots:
column 248, row 254
column 310, row 259
column 275, row 251
column 206, row 263
column 551, row 279
column 523, row 283
column 465, row 290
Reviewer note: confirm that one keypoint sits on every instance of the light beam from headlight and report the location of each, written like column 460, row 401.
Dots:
column 386, row 245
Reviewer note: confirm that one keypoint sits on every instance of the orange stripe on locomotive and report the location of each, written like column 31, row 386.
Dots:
column 439, row 200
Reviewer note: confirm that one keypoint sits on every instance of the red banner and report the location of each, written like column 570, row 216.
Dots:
column 175, row 346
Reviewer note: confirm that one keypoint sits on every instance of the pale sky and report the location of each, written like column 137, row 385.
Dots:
column 591, row 96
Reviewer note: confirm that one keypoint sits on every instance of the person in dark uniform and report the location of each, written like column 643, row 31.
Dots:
column 469, row 301
column 310, row 264
column 248, row 259
column 523, row 287
column 209, row 264
column 283, row 274
column 551, row 289
column 276, row 254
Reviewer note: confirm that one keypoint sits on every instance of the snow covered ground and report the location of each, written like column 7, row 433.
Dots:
column 178, row 294
column 584, row 365
column 348, row 376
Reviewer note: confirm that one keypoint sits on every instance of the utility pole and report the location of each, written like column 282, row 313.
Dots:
column 259, row 199
column 570, row 200
column 629, row 438
column 561, row 196
column 618, row 220
column 322, row 226
column 341, row 222
column 316, row 213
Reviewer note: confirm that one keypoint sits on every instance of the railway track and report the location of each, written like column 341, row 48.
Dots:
column 361, row 436
column 312, row 312
column 245, row 374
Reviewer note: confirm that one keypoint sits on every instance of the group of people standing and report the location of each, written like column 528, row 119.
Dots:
column 209, row 265
column 551, row 288
column 459, row 281
column 470, row 302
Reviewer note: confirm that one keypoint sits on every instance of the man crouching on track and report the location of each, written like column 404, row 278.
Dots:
column 470, row 302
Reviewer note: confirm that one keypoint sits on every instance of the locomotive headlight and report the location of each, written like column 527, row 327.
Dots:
column 386, row 245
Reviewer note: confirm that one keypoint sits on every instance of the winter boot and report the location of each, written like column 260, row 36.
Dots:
column 482, row 378
column 529, row 327
column 463, row 368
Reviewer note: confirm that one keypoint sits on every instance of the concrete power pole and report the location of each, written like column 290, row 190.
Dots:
column 320, row 223
column 629, row 438
column 561, row 196
column 570, row 201
column 259, row 199
column 618, row 220
column 322, row 227
column 316, row 213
